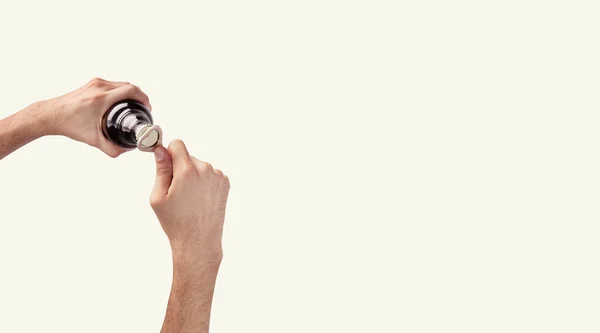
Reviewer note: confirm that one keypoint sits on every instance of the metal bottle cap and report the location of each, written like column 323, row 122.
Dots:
column 148, row 137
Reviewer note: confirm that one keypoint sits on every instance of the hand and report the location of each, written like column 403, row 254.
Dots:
column 189, row 199
column 78, row 114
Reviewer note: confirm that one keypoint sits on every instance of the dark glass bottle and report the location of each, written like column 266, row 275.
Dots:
column 129, row 124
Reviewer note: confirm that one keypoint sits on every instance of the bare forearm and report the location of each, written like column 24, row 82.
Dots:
column 23, row 127
column 190, row 301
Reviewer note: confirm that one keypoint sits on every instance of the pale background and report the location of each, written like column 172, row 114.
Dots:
column 396, row 166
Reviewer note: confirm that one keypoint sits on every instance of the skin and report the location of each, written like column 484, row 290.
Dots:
column 189, row 199
column 189, row 196
column 76, row 115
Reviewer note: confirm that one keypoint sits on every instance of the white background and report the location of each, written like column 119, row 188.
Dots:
column 396, row 166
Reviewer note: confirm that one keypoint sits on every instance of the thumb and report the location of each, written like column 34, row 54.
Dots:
column 164, row 171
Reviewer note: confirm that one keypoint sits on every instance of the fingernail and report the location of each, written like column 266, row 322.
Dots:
column 159, row 154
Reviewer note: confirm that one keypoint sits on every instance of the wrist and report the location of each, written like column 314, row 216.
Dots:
column 39, row 119
column 196, row 260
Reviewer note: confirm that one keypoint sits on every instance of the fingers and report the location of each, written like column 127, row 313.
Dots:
column 164, row 172
column 110, row 149
column 183, row 162
column 129, row 91
column 105, row 84
column 117, row 91
column 205, row 167
column 117, row 84
column 179, row 154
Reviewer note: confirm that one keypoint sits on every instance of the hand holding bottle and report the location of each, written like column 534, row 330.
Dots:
column 78, row 114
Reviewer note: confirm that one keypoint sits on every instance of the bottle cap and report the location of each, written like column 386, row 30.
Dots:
column 148, row 137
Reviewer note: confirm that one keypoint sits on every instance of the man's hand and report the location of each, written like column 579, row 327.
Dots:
column 189, row 199
column 78, row 114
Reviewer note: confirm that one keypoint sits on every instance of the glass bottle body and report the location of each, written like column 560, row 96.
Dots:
column 123, row 122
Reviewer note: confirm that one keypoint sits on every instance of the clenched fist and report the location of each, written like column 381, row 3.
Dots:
column 189, row 199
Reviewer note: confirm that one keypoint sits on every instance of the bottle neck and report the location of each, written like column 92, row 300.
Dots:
column 125, row 123
column 140, row 128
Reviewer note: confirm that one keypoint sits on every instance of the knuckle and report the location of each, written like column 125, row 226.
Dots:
column 135, row 89
column 219, row 173
column 204, row 167
column 163, row 171
column 156, row 201
column 226, row 182
column 97, row 81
